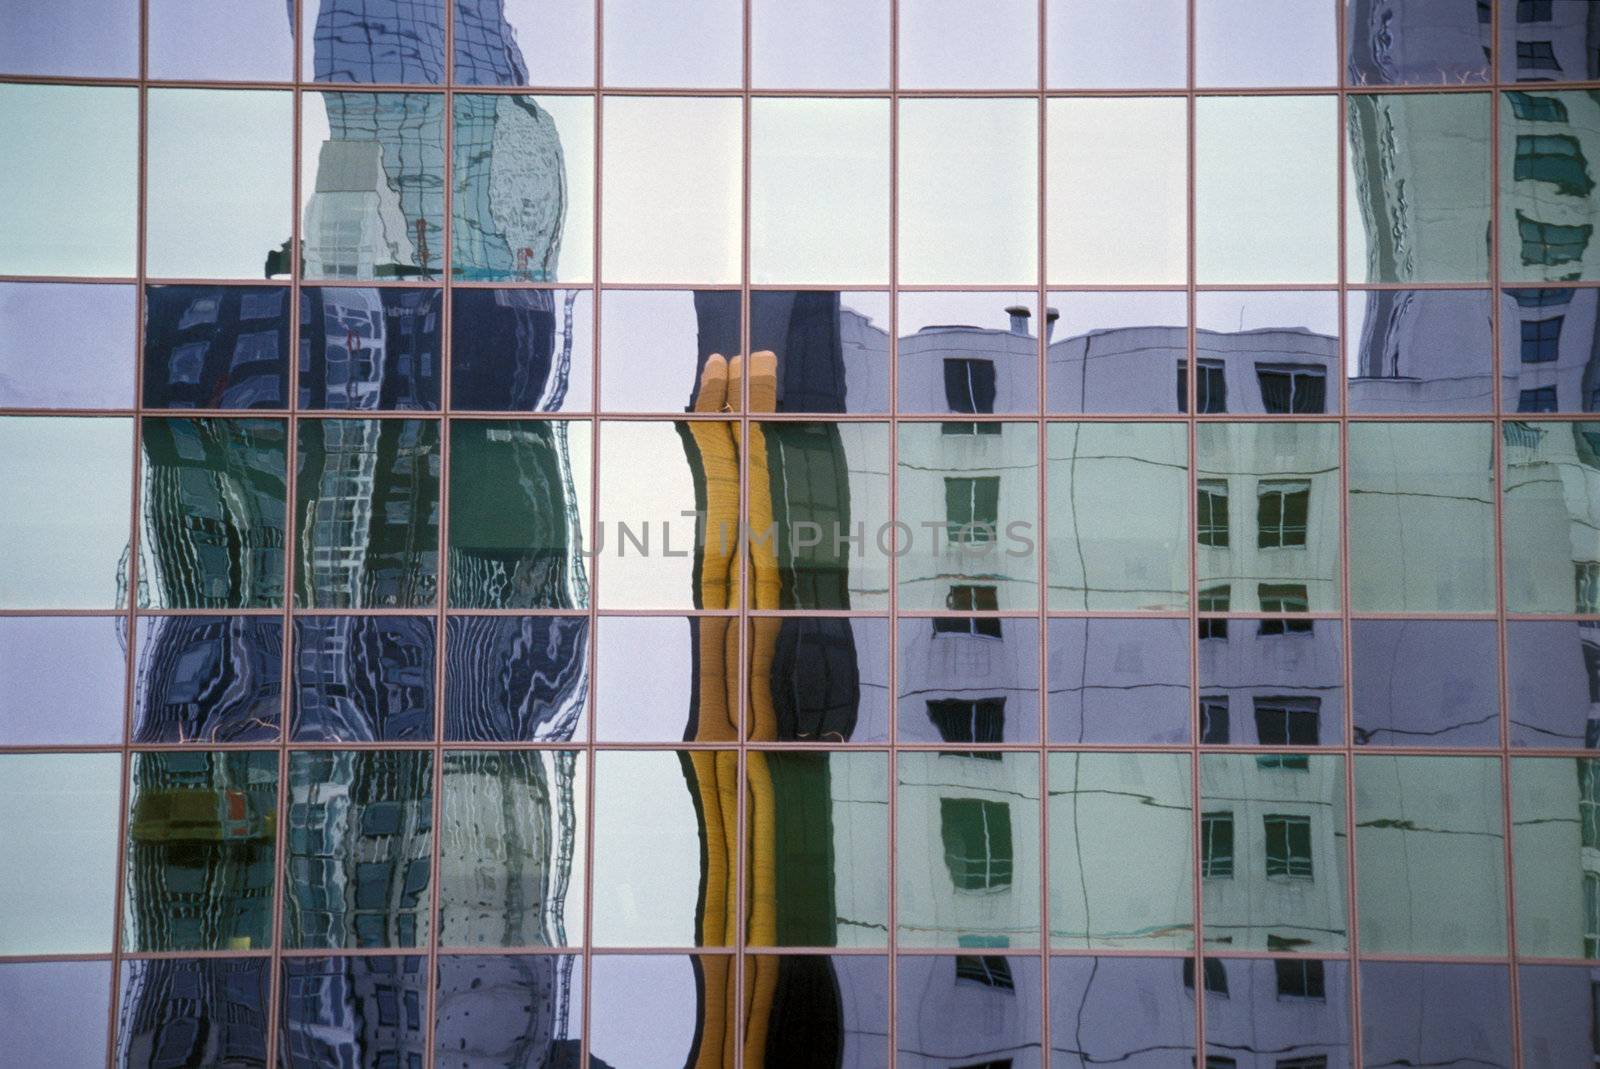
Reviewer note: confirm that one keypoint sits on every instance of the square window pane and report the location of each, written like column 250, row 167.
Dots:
column 1119, row 681
column 1108, row 1010
column 672, row 351
column 968, row 353
column 521, row 350
column 1266, row 188
column 1550, row 349
column 363, row 678
column 316, row 1027
column 1555, row 1014
column 1118, row 516
column 1547, row 204
column 1241, row 43
column 391, row 42
column 1267, row 352
column 484, row 998
column 1421, row 517
column 819, row 44
column 815, row 679
column 1547, row 41
column 69, row 194
column 966, row 680
column 1550, row 479
column 516, row 678
column 1420, row 823
column 1276, row 997
column 977, row 223
column 524, row 42
column 65, row 680
column 1417, row 44
column 667, row 679
column 220, row 346
column 96, row 38
column 1417, row 195
column 1118, row 352
column 980, row 1007
column 66, row 345
column 830, row 347
column 699, row 47
column 1553, row 678
column 208, row 679
column 1117, row 195
column 365, row 348
column 819, row 191
column 194, row 40
column 58, row 549
column 673, row 189
column 1435, row 1013
column 659, row 1006
column 1414, row 352
column 37, row 991
column 950, row 44
column 1558, row 892
column 194, row 1009
column 1277, row 681
column 1143, row 46
column 1425, row 683
column 524, row 188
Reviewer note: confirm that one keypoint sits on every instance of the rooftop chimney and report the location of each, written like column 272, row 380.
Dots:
column 1050, row 317
column 1019, row 319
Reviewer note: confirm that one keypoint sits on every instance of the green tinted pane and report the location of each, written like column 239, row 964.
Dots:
column 1551, row 483
column 1421, row 517
column 360, row 843
column 1430, row 855
column 1119, row 517
column 1417, row 195
column 1274, row 843
column 211, row 531
column 202, row 836
column 1555, row 828
column 1548, row 208
column 818, row 857
column 367, row 501
column 967, row 829
column 1121, row 851
column 519, row 499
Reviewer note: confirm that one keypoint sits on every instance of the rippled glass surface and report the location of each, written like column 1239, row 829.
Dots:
column 64, row 679
column 1548, row 41
column 1549, row 350
column 177, row 1011
column 815, row 679
column 511, row 848
column 1421, row 523
column 358, row 868
column 1111, row 1010
column 202, row 831
column 1118, row 681
column 516, row 678
column 66, row 345
column 830, row 349
column 392, row 42
column 248, row 41
column 968, row 353
column 667, row 679
column 1288, row 1012
column 669, row 521
column 363, row 679
column 524, row 42
column 521, row 350
column 1141, row 44
column 367, row 498
column 69, row 204
column 1410, row 352
column 1273, row 352
column 819, row 191
column 819, row 44
column 1555, row 1014
column 1112, row 351
column 665, row 848
column 519, row 506
column 371, row 185
column 1555, row 829
column 212, row 513
column 219, row 177
column 817, row 854
column 1277, row 681
column 1273, row 872
column 968, row 679
column 1550, row 482
column 508, row 1010
column 208, row 679
column 985, row 1008
column 1425, row 683
column 1390, row 42
column 830, row 1007
column 1118, row 521
column 674, row 184
column 1435, row 1014
column 1421, row 822
column 68, row 37
column 219, row 346
column 948, row 44
column 524, row 188
column 1266, row 184
column 1553, row 682
column 662, row 1009
column 677, row 351
column 1265, row 43
column 1547, row 208
column 58, row 860
column 977, row 223
column 361, row 1012
column 1418, row 196
column 35, row 992
column 1117, row 193
column 366, row 349
column 1121, row 851
column 822, row 491
column 968, row 504
column 698, row 48
column 967, row 831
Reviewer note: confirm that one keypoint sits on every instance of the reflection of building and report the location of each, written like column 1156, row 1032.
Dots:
column 503, row 351
column 1550, row 350
column 1271, row 682
column 969, row 679
column 354, row 1011
column 507, row 1011
column 515, row 678
column 510, row 205
column 176, row 1013
column 363, row 678
column 1397, row 41
column 208, row 678
column 216, row 347
column 968, row 1011
column 1283, row 1014
column 1551, row 515
column 1555, row 827
column 1420, row 351
column 368, row 348
column 1554, row 678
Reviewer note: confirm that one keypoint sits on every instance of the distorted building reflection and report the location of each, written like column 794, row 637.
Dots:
column 363, row 678
column 968, row 1010
column 511, row 350
column 818, row 1010
column 1401, row 42
column 1555, row 827
column 515, row 678
column 1419, row 351
column 496, row 1011
column 1284, row 1014
column 175, row 1012
column 1275, row 681
column 1135, row 1011
column 1551, row 496
column 216, row 347
column 1118, row 681
column 819, row 679
column 208, row 679
column 969, row 679
column 369, row 349
column 1550, row 349
column 360, row 1012
column 201, row 833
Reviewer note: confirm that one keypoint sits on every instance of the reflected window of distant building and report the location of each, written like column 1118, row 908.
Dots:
column 969, row 384
column 1289, row 762
column 970, row 720
column 1283, row 597
column 972, row 508
column 1214, row 728
column 1311, row 1061
column 1533, row 10
column 1552, row 243
column 1301, row 978
column 989, row 970
column 1292, row 390
column 1288, row 721
column 1214, row 599
column 1210, row 387
column 1536, row 56
column 977, row 843
column 1591, row 915
column 1541, row 339
column 1216, row 976
column 1288, row 846
column 1589, row 801
column 1281, row 510
column 1541, row 298
column 1553, row 158
column 1211, row 512
column 1586, row 583
column 1538, row 399
column 987, row 626
column 1531, row 108
column 1216, row 845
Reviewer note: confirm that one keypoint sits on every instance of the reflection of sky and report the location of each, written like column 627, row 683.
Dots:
column 1084, row 312
column 985, row 310
column 647, row 851
column 242, row 40
column 1265, row 42
column 642, row 1011
column 835, row 44
column 66, row 345
column 957, row 44
column 644, row 670
column 1316, row 311
column 651, row 342
column 1142, row 46
column 688, row 44
column 62, row 680
column 556, row 39
column 37, row 994
column 56, row 37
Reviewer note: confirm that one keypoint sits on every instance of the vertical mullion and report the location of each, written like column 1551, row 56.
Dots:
column 746, row 587
column 1191, row 511
column 587, row 754
column 893, row 883
column 1041, row 496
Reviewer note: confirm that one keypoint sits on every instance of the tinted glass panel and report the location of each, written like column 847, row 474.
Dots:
column 1435, row 1013
column 1117, row 352
column 1293, row 1013
column 1416, row 44
column 1547, row 207
column 1145, row 46
column 516, row 678
column 174, row 1010
column 698, row 47
column 1265, row 43
column 980, row 1007
column 521, row 350
column 363, row 678
column 370, row 349
column 364, row 1012
column 394, row 42
column 975, row 352
column 851, row 1027
column 252, row 41
column 1550, row 478
column 1425, row 683
column 672, row 351
column 830, row 350
column 1557, row 1007
column 37, row 990
column 219, row 346
column 94, row 37
column 823, row 44
column 666, row 679
column 1553, row 678
column 66, row 345
column 1549, row 350
column 208, row 679
column 524, row 42
column 1115, row 681
column 1266, row 352
column 947, row 44
column 64, row 679
column 492, row 1007
column 817, row 679
column 1419, row 351
column 969, row 680
column 651, row 1009
column 1555, row 822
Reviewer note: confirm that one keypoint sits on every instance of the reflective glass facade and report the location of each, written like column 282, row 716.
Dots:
column 737, row 533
